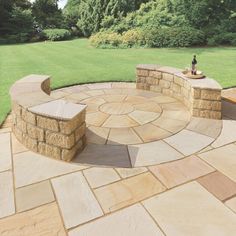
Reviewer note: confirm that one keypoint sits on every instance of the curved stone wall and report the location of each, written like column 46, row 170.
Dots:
column 201, row 96
column 51, row 127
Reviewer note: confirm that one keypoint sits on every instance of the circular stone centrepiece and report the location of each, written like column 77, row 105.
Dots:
column 116, row 108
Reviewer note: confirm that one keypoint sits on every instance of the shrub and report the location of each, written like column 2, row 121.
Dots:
column 222, row 39
column 174, row 37
column 133, row 37
column 56, row 34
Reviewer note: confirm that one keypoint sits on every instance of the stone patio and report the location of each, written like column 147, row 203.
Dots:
column 148, row 169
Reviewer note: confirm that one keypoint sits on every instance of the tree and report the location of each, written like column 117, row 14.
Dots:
column 47, row 14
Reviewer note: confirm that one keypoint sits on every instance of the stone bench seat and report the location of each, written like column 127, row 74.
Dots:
column 49, row 126
column 201, row 96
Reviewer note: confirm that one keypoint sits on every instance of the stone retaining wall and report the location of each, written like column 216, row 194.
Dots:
column 54, row 128
column 202, row 96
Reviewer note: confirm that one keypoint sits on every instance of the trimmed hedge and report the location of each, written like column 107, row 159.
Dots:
column 56, row 34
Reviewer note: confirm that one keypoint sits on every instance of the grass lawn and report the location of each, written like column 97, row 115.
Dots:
column 74, row 62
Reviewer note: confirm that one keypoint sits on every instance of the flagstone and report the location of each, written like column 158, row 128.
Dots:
column 129, row 172
column 95, row 92
column 228, row 134
column 223, row 159
column 94, row 100
column 97, row 135
column 191, row 210
column 97, row 176
column 161, row 99
column 113, row 91
column 7, row 206
column 91, row 108
column 5, row 152
column 229, row 109
column 44, row 220
column 16, row 145
column 124, row 85
column 96, row 118
column 99, row 85
column 119, row 121
column 114, row 98
column 176, row 115
column 150, row 132
column 33, row 196
column 231, row 203
column 143, row 117
column 175, row 106
column 132, row 221
column 148, row 106
column 188, row 142
column 123, row 136
column 208, row 127
column 116, row 108
column 181, row 171
column 58, row 94
column 170, row 125
column 31, row 168
column 219, row 185
column 78, row 96
column 128, row 191
column 152, row 153
column 76, row 201
column 136, row 99
column 104, row 155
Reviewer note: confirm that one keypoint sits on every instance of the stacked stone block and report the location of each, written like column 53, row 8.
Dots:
column 202, row 97
column 54, row 137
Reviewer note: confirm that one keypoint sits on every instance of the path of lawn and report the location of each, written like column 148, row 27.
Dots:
column 74, row 62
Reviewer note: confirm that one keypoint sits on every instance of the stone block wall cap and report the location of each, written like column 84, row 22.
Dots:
column 58, row 109
column 205, row 83
column 148, row 66
column 33, row 78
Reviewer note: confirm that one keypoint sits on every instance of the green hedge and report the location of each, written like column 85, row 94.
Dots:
column 56, row 34
column 162, row 37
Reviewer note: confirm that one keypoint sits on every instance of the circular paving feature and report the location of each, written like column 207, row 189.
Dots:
column 116, row 108
column 127, row 116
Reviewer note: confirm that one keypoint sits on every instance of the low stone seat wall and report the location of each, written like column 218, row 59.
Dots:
column 55, row 128
column 201, row 96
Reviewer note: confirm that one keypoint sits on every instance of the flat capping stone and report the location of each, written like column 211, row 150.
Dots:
column 33, row 79
column 59, row 109
column 205, row 83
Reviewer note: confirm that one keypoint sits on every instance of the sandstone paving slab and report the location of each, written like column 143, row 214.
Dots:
column 219, row 185
column 114, row 98
column 152, row 153
column 33, row 196
column 131, row 221
column 5, row 151
column 123, row 136
column 58, row 94
column 181, row 171
column 99, row 85
column 74, row 89
column 228, row 134
column 7, row 206
column 161, row 99
column 76, row 200
column 119, row 121
column 129, row 172
column 104, row 155
column 143, row 117
column 128, row 191
column 175, row 106
column 208, row 127
column 131, row 92
column 191, row 210
column 150, row 132
column 229, row 109
column 78, row 96
column 170, row 125
column 96, row 118
column 97, row 176
column 223, row 159
column 97, row 135
column 91, row 108
column 115, row 91
column 231, row 203
column 94, row 92
column 124, row 85
column 176, row 115
column 148, row 106
column 16, row 145
column 116, row 108
column 94, row 100
column 44, row 220
column 136, row 99
column 188, row 142
column 31, row 168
